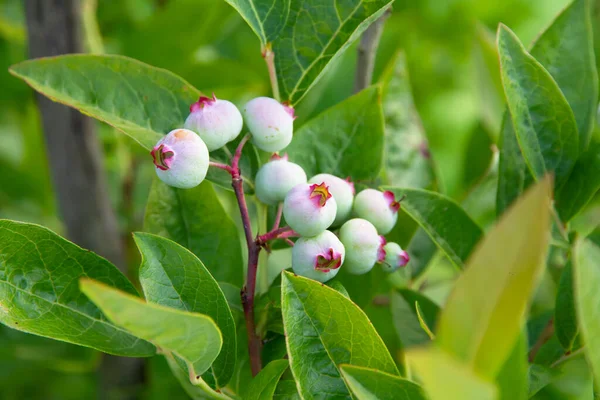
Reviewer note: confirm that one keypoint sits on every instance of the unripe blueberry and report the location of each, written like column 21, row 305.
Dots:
column 276, row 178
column 395, row 257
column 217, row 122
column 379, row 208
column 364, row 246
column 309, row 209
column 181, row 159
column 318, row 257
column 343, row 193
column 270, row 123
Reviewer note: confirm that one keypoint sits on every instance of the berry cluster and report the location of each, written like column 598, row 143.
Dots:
column 311, row 207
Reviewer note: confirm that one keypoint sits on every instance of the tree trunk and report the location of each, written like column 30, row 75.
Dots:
column 75, row 156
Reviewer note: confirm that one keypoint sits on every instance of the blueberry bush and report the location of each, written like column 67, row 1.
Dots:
column 295, row 250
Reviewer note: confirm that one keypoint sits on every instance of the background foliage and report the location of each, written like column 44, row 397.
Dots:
column 441, row 86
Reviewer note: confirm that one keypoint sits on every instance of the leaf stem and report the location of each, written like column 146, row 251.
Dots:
column 542, row 339
column 279, row 233
column 367, row 50
column 269, row 56
column 278, row 216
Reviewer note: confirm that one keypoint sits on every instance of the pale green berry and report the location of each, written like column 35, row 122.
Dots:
column 379, row 208
column 318, row 257
column 270, row 123
column 181, row 159
column 276, row 178
column 343, row 193
column 309, row 209
column 364, row 246
column 395, row 257
column 218, row 122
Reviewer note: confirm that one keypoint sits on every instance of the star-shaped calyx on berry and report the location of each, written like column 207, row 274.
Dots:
column 202, row 102
column 392, row 202
column 161, row 156
column 320, row 194
column 328, row 261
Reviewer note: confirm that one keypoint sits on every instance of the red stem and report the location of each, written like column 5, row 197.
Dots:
column 221, row 166
column 247, row 293
column 279, row 233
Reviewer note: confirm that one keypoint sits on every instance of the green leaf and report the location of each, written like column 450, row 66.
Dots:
column 263, row 385
column 565, row 50
column 444, row 377
column 39, row 292
column 587, row 300
column 198, row 391
column 583, row 184
column 421, row 249
column 286, row 390
column 266, row 17
column 512, row 379
column 406, row 320
column 344, row 140
column 407, row 159
column 370, row 384
column 539, row 377
column 174, row 277
column 196, row 219
column 565, row 316
column 484, row 314
column 445, row 222
column 316, row 33
column 542, row 118
column 193, row 337
column 142, row 101
column 324, row 329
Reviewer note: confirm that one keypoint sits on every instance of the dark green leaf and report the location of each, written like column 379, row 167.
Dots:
column 286, row 390
column 565, row 317
column 485, row 312
column 39, row 292
column 315, row 34
column 194, row 337
column 421, row 249
column 445, row 221
column 198, row 391
column 370, row 384
column 174, row 277
column 407, row 159
column 263, row 385
column 544, row 123
column 344, row 140
column 587, row 300
column 583, row 183
column 324, row 329
column 565, row 50
column 195, row 219
column 266, row 17
column 405, row 318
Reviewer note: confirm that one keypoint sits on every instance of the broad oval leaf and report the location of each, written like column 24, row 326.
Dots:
column 193, row 337
column 443, row 377
column 583, row 184
column 448, row 225
column 344, row 140
column 587, row 300
column 196, row 219
column 39, row 292
column 484, row 314
column 266, row 17
column 324, row 329
column 141, row 101
column 304, row 48
column 264, row 384
column 174, row 277
column 565, row 50
column 543, row 121
column 370, row 384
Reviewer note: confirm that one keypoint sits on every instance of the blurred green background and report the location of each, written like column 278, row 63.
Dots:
column 450, row 52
